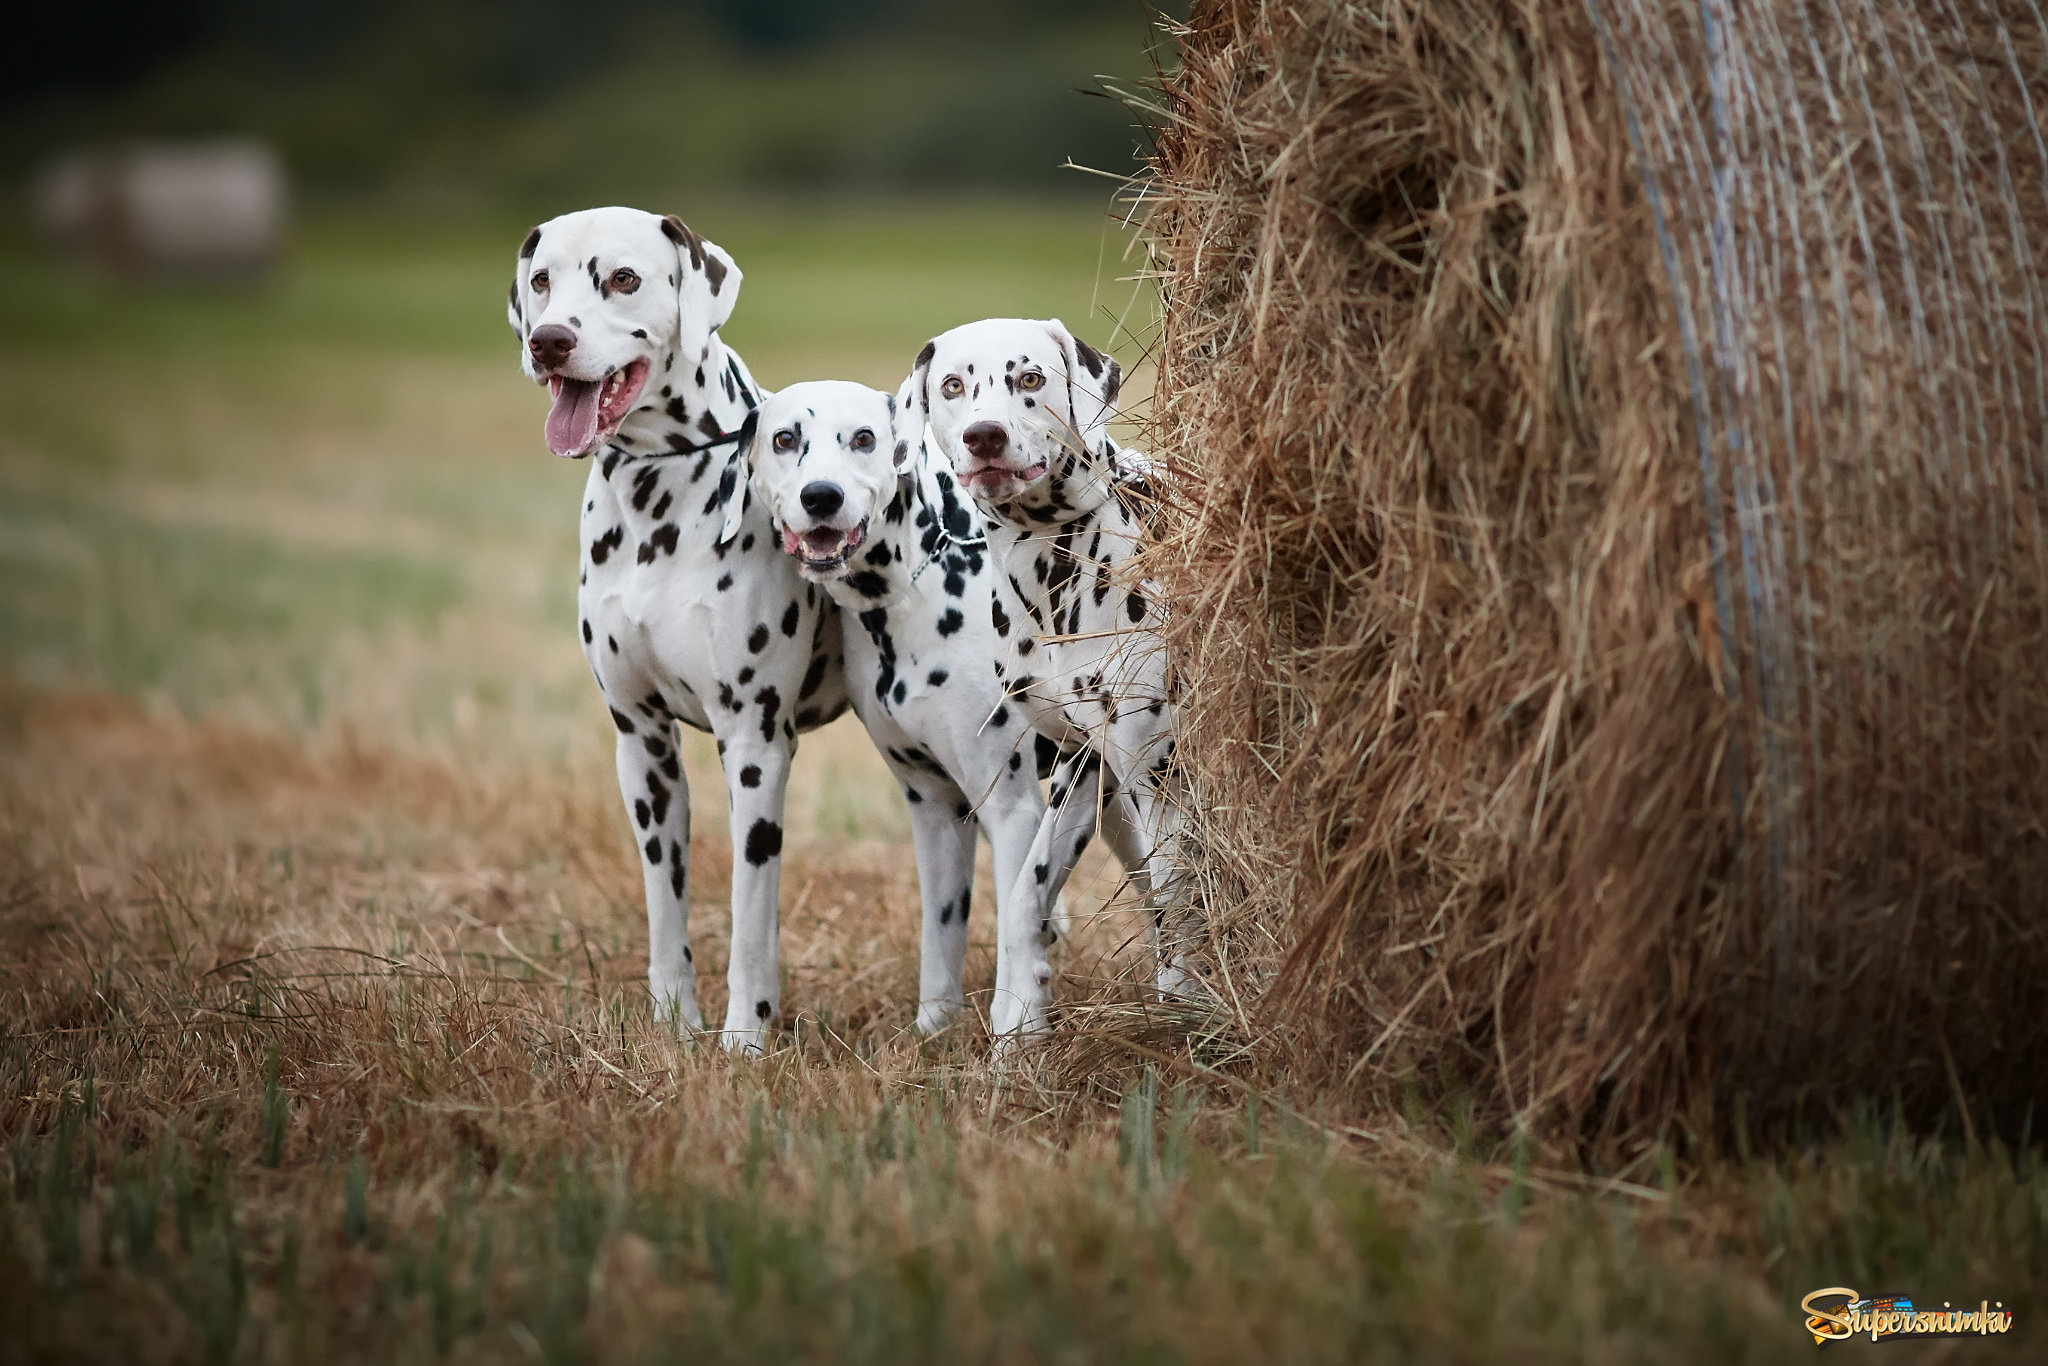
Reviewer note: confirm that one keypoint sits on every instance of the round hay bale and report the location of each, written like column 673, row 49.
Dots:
column 1610, row 442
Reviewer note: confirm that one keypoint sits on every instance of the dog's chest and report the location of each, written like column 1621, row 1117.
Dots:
column 1068, row 615
column 661, row 599
column 924, row 641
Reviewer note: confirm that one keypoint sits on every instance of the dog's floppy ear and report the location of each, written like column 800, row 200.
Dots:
column 747, row 432
column 1093, row 381
column 515, row 301
column 906, row 423
column 915, row 397
column 906, row 440
column 707, row 282
column 735, row 486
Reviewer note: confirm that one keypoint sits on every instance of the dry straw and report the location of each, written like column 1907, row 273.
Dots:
column 1608, row 557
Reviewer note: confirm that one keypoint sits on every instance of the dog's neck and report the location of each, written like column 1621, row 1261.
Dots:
column 690, row 405
column 928, row 533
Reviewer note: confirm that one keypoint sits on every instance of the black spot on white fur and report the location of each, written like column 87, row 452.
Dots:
column 764, row 842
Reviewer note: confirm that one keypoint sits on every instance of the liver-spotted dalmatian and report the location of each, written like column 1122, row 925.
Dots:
column 872, row 514
column 688, row 609
column 1020, row 409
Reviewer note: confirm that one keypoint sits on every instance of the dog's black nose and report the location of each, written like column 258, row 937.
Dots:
column 551, row 344
column 821, row 499
column 986, row 440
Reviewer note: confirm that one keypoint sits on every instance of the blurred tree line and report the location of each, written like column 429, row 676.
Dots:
column 522, row 101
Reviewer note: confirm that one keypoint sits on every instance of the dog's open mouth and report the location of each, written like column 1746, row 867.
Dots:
column 588, row 412
column 823, row 550
column 997, row 477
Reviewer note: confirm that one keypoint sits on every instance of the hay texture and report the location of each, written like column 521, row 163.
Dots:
column 1608, row 560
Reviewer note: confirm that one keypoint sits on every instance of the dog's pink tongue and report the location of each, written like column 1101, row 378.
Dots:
column 572, row 422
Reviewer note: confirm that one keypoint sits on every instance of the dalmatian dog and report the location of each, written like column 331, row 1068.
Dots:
column 688, row 610
column 1020, row 409
column 869, row 513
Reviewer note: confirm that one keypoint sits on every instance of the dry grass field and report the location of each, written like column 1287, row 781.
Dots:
column 321, row 944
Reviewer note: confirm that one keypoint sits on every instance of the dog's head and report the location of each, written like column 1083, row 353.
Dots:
column 604, row 297
column 1009, row 399
column 825, row 459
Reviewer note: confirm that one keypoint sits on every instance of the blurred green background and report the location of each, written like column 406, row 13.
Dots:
column 320, row 501
column 537, row 105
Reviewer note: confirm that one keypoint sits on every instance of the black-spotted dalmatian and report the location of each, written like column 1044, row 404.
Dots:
column 1021, row 408
column 876, row 518
column 688, row 609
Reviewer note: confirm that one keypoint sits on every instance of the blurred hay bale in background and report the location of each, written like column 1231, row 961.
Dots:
column 1609, row 574
column 187, row 210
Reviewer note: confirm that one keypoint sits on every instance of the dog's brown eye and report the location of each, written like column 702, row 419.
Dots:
column 539, row 282
column 953, row 387
column 1030, row 380
column 625, row 281
column 864, row 440
column 785, row 440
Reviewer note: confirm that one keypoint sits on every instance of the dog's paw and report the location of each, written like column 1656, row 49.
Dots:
column 935, row 1017
column 747, row 1032
column 745, row 1043
column 675, row 1006
column 1175, row 981
column 1015, row 1016
column 1012, row 1049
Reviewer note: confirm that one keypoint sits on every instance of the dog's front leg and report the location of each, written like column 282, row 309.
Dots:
column 756, row 781
column 1152, row 843
column 945, row 887
column 1024, row 914
column 1063, row 832
column 1118, row 826
column 657, row 800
